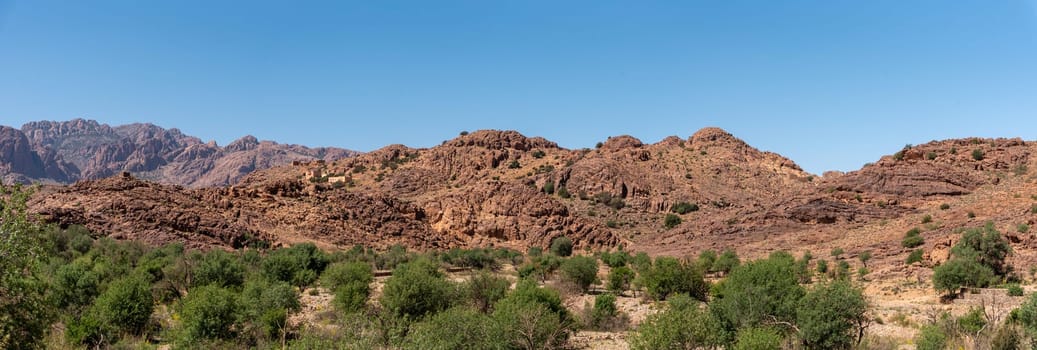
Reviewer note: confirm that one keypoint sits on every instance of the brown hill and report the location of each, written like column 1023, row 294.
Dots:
column 64, row 152
column 502, row 188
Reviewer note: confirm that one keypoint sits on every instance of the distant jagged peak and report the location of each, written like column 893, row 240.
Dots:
column 245, row 143
column 616, row 143
column 500, row 139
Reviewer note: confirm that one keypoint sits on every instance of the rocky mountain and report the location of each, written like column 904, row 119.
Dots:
column 64, row 152
column 501, row 188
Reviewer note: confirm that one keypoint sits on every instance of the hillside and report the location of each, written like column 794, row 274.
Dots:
column 65, row 152
column 501, row 188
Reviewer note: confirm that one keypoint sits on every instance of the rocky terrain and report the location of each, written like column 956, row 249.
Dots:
column 65, row 152
column 501, row 188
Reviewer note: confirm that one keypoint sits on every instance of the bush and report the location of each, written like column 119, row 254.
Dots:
column 727, row 261
column 218, row 268
column 299, row 265
column 208, row 312
column 945, row 206
column 562, row 246
column 620, row 278
column 24, row 313
column 514, row 164
column 615, row 259
column 455, row 328
column 681, row 325
column 915, row 256
column 484, row 289
column 931, row 337
column 416, row 289
column 758, row 292
column 264, row 308
column 1015, row 290
column 75, row 286
column 531, row 317
column 831, row 316
column 126, row 305
column 538, row 154
column 580, row 270
column 836, row 252
column 671, row 221
column 956, row 273
column 706, row 260
column 977, row 154
column 563, row 192
column 351, row 297
column 912, row 239
column 340, row 274
column 684, row 208
column 549, row 187
column 758, row 339
column 669, row 276
column 604, row 310
column 930, row 155
column 927, row 219
column 1023, row 228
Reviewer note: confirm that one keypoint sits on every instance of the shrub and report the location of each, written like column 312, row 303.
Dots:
column 761, row 291
column 912, row 239
column 615, row 259
column 984, row 245
column 956, row 273
column 831, row 316
column 580, row 270
column 562, row 246
column 726, row 262
column 208, row 313
column 927, row 219
column 931, row 337
column 1015, row 290
column 669, row 276
column 971, row 215
column 549, row 187
column 416, row 289
column 532, row 317
column 1007, row 337
column 930, row 155
column 684, row 208
column 604, row 310
column 514, row 164
column 563, row 192
column 598, row 145
column 706, row 260
column 945, row 206
column 822, row 266
column 836, row 252
column 620, row 278
column 915, row 256
column 758, row 339
column 75, row 286
column 126, row 304
column 681, row 325
column 264, row 307
column 455, row 328
column 538, row 154
column 299, row 265
column 671, row 221
column 864, row 257
column 218, row 268
column 1023, row 228
column 340, row 274
column 977, row 154
column 484, row 289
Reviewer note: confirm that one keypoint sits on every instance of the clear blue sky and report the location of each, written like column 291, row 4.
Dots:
column 831, row 84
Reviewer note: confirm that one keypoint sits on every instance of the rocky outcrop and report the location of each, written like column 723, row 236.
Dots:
column 85, row 149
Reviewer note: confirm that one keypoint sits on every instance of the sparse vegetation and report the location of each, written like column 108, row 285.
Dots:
column 930, row 155
column 684, row 208
column 977, row 154
column 927, row 219
column 671, row 221
column 562, row 246
column 912, row 238
column 915, row 256
column 945, row 206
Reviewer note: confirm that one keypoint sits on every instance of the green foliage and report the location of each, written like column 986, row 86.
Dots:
column 615, row 259
column 538, row 154
column 977, row 154
column 930, row 155
column 264, row 307
column 218, row 268
column 931, row 337
column 864, row 257
column 514, row 164
column 1015, row 290
column 684, row 208
column 927, row 219
column 563, row 192
column 75, row 286
column 416, row 289
column 562, row 246
column 912, row 239
column 836, row 252
column 945, row 206
column 1023, row 228
column 24, row 313
column 822, row 266
column 671, row 221
column 484, row 289
column 757, row 293
column 669, row 276
column 455, row 328
column 343, row 273
column 831, row 316
column 985, row 246
column 604, row 309
column 1027, row 316
column 706, row 260
column 531, row 317
column 299, row 265
column 549, row 187
column 972, row 322
column 681, row 325
column 915, row 256
column 580, row 270
column 126, row 304
column 758, row 339
column 1007, row 337
column 352, row 296
column 620, row 278
column 208, row 313
column 727, row 261
column 956, row 273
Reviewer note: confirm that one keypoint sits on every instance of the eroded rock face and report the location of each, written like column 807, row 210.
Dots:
column 64, row 152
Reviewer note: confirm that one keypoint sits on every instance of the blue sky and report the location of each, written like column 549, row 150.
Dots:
column 830, row 84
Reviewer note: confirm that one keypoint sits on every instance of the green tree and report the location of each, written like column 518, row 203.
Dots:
column 620, row 278
column 707, row 259
column 727, row 261
column 208, row 312
column 580, row 270
column 758, row 339
column 985, row 246
column 265, row 307
column 532, row 317
column 24, row 313
column 669, row 276
column 75, row 286
column 931, row 337
column 758, row 293
column 562, row 246
column 681, row 325
column 831, row 316
column 1027, row 316
column 484, row 289
column 340, row 274
column 299, row 264
column 417, row 289
column 455, row 328
column 219, row 268
column 956, row 273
